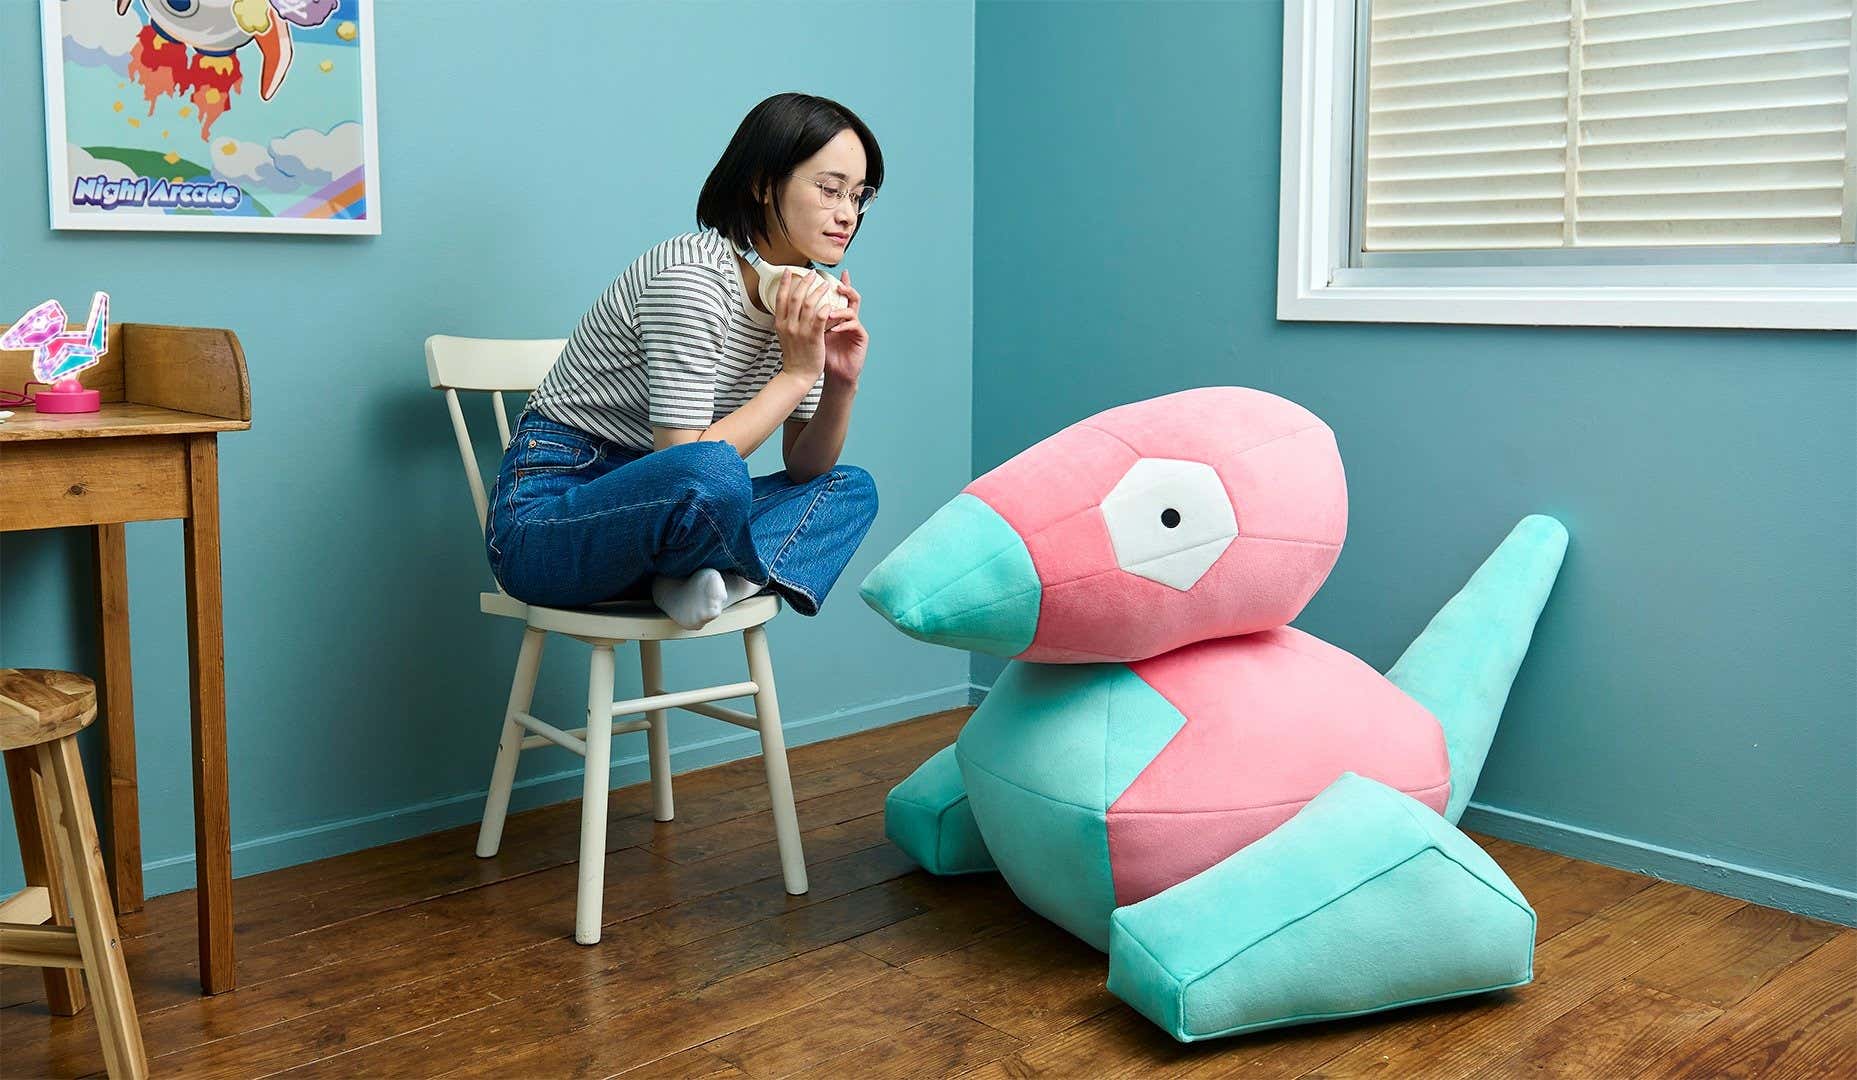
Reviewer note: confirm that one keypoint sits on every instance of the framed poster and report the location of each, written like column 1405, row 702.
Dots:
column 211, row 115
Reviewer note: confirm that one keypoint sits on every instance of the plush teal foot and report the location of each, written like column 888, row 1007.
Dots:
column 927, row 815
column 1365, row 900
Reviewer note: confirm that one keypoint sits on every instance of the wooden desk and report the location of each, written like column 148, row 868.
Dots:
column 151, row 452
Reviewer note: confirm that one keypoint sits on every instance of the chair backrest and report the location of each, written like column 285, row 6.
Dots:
column 485, row 364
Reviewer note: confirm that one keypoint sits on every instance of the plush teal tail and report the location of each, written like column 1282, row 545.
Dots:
column 1462, row 666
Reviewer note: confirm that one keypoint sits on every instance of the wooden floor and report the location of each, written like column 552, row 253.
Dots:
column 418, row 959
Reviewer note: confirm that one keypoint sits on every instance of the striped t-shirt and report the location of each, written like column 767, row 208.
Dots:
column 674, row 342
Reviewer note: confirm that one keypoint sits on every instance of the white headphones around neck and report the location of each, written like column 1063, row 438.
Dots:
column 771, row 273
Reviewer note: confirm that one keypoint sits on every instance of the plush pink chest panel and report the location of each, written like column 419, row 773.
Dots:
column 1272, row 718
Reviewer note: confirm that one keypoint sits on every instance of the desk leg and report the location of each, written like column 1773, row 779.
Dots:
column 121, row 811
column 206, row 662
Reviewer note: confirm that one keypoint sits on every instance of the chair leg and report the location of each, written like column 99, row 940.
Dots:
column 509, row 747
column 81, row 858
column 32, row 822
column 594, row 793
column 774, row 757
column 651, row 667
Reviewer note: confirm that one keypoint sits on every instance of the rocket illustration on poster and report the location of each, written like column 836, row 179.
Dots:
column 211, row 115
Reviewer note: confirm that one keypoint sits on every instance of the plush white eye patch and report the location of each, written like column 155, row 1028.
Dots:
column 1169, row 520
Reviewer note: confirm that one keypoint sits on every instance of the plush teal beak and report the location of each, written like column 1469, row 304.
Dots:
column 964, row 579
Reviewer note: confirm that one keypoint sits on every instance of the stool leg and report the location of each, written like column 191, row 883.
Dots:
column 81, row 857
column 64, row 987
column 774, row 757
column 509, row 747
column 651, row 667
column 595, row 789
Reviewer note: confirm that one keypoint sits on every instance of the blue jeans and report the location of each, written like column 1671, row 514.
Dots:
column 576, row 519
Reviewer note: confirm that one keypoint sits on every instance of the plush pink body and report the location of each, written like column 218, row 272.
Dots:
column 1272, row 718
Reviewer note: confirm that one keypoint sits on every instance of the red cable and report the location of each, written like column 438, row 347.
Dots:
column 22, row 398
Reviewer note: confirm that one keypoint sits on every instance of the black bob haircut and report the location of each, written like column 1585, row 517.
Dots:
column 773, row 138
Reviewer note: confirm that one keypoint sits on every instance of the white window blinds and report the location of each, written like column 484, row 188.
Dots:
column 1587, row 123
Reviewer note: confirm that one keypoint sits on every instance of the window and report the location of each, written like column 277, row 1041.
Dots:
column 1570, row 162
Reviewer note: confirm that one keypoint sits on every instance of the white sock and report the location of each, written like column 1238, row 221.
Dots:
column 737, row 589
column 690, row 601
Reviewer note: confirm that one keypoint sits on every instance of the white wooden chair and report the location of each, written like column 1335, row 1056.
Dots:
column 482, row 364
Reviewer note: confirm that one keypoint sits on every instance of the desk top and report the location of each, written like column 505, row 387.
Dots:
column 154, row 380
column 112, row 419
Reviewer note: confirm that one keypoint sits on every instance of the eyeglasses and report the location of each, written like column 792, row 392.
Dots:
column 832, row 192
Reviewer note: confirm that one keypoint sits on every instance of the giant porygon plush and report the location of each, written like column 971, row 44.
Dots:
column 1255, row 825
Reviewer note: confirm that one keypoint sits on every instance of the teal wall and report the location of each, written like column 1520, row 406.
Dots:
column 1687, row 708
column 364, row 689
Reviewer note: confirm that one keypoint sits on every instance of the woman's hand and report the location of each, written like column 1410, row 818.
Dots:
column 847, row 342
column 801, row 317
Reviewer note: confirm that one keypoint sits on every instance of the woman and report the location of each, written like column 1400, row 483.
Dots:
column 625, row 472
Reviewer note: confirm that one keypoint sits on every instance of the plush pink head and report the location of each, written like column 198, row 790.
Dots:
column 1197, row 515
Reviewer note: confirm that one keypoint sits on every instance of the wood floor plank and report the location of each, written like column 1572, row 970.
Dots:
column 1736, row 956
column 611, row 982
column 1067, row 995
column 1115, row 1043
column 505, row 921
column 164, row 964
column 946, row 1045
column 968, row 909
column 463, row 870
column 1617, row 1032
column 637, row 918
column 765, row 898
column 1029, row 983
column 1121, row 1043
column 692, row 1064
column 638, row 1036
column 1001, row 963
column 695, row 844
column 833, row 1025
column 673, row 1025
column 1802, row 1023
column 1566, row 892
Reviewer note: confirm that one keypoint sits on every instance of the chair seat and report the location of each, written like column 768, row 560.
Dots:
column 629, row 620
column 38, row 705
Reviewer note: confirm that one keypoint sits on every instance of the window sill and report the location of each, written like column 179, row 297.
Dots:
column 1409, row 295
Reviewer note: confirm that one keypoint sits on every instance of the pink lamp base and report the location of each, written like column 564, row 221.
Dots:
column 67, row 396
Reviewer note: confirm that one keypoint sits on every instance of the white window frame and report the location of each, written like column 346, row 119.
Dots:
column 1316, row 281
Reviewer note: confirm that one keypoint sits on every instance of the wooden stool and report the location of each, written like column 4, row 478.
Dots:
column 41, row 713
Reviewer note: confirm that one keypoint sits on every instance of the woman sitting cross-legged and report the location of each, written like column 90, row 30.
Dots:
column 625, row 475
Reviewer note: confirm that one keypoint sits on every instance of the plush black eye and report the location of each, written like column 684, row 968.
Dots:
column 1170, row 517
column 183, row 7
